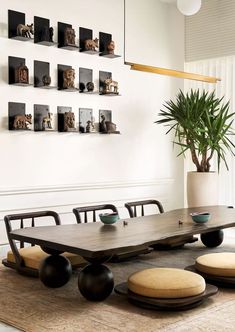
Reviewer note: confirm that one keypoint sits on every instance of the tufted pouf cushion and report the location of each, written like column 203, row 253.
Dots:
column 33, row 256
column 166, row 283
column 217, row 264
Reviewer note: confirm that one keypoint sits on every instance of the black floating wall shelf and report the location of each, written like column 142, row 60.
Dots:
column 14, row 63
column 63, row 42
column 104, row 41
column 61, row 69
column 15, row 19
column 42, row 75
column 63, row 125
column 106, row 124
column 43, row 118
column 86, row 34
column 104, row 75
column 43, row 33
column 86, row 84
column 17, row 117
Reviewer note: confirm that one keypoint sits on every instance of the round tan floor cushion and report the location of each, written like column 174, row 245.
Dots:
column 217, row 264
column 166, row 283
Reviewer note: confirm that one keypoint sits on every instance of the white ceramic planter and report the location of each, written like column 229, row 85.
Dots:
column 202, row 188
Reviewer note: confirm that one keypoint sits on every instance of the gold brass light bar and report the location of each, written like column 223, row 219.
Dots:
column 170, row 72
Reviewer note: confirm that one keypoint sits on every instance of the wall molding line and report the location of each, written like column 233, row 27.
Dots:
column 83, row 186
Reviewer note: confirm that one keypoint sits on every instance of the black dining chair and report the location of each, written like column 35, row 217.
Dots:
column 26, row 259
column 137, row 208
column 83, row 213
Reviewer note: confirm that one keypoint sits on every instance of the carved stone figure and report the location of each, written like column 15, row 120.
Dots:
column 46, row 80
column 69, row 36
column 91, row 45
column 46, row 121
column 68, row 78
column 21, row 121
column 69, row 121
column 51, row 34
column 111, row 47
column 22, row 74
column 90, row 86
column 24, row 30
column 110, row 86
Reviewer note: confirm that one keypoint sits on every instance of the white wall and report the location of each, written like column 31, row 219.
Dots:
column 62, row 170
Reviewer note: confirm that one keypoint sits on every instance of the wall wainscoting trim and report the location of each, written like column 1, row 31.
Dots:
column 64, row 198
column 83, row 186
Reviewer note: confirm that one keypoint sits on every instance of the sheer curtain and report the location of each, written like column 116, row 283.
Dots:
column 223, row 68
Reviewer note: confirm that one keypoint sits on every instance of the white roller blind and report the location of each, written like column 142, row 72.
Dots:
column 211, row 32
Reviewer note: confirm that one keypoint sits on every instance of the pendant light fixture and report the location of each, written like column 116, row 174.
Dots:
column 165, row 71
column 189, row 7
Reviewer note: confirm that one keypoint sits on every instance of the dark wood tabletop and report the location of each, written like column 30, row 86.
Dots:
column 93, row 240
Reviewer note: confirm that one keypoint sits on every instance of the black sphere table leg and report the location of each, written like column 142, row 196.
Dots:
column 95, row 282
column 212, row 239
column 55, row 271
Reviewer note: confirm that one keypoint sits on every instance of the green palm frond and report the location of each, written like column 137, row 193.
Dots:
column 202, row 124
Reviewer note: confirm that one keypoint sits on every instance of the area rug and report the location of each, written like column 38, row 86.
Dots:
column 26, row 304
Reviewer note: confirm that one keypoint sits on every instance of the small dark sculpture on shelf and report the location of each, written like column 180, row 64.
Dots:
column 21, row 121
column 111, row 47
column 110, row 86
column 22, row 74
column 90, row 127
column 103, row 128
column 107, row 127
column 90, row 86
column 46, row 121
column 82, row 87
column 69, row 121
column 24, row 30
column 46, row 80
column 69, row 37
column 51, row 34
column 68, row 78
column 91, row 44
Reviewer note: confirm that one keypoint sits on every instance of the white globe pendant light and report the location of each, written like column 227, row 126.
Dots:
column 189, row 7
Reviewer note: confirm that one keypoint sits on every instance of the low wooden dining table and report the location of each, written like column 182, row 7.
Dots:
column 97, row 242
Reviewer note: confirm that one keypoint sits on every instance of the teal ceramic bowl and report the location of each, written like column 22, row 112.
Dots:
column 200, row 217
column 109, row 218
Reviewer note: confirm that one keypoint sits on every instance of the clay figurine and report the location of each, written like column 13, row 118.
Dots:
column 110, row 86
column 90, row 86
column 107, row 127
column 69, row 121
column 24, row 30
column 82, row 87
column 51, row 34
column 68, row 78
column 21, row 121
column 46, row 121
column 22, row 74
column 91, row 45
column 69, row 37
column 111, row 47
column 46, row 80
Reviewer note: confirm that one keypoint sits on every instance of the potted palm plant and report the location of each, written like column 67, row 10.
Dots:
column 202, row 124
